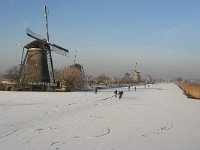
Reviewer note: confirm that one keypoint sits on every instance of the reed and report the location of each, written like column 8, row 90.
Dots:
column 191, row 90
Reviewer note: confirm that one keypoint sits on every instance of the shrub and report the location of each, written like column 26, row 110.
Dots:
column 2, row 87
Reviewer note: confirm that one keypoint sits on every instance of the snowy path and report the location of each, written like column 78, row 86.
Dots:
column 155, row 118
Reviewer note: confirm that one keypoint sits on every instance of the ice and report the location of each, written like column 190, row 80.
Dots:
column 154, row 118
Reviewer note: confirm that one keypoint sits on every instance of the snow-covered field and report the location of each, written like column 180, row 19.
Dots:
column 156, row 118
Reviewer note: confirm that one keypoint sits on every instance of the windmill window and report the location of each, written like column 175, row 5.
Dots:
column 36, row 66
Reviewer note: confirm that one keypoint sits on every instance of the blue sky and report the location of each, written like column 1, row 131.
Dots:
column 110, row 36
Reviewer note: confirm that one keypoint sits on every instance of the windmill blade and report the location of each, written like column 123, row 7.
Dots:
column 22, row 65
column 34, row 35
column 59, row 50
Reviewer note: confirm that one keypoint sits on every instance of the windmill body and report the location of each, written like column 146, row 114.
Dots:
column 136, row 76
column 36, row 67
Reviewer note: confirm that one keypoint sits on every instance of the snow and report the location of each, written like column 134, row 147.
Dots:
column 160, row 117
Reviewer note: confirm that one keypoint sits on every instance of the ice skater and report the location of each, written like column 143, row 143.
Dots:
column 120, row 94
column 115, row 93
column 95, row 91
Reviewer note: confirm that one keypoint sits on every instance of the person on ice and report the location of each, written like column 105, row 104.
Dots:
column 95, row 90
column 120, row 94
column 115, row 93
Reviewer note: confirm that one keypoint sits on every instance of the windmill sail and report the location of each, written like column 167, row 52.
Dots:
column 59, row 50
column 34, row 35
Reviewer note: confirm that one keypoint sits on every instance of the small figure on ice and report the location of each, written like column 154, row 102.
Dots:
column 120, row 94
column 95, row 90
column 115, row 93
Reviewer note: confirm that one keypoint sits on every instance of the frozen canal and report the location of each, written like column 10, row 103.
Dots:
column 156, row 118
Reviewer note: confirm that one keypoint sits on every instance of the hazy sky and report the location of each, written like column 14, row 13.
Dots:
column 110, row 36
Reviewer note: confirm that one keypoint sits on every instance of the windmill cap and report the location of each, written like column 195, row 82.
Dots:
column 38, row 44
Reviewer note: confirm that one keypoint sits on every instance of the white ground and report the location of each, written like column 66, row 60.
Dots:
column 155, row 118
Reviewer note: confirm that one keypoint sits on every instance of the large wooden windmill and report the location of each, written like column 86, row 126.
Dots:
column 37, row 65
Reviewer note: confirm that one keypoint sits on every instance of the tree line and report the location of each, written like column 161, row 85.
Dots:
column 71, row 78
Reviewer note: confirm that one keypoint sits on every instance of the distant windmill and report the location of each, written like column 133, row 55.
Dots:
column 149, row 78
column 136, row 74
column 37, row 64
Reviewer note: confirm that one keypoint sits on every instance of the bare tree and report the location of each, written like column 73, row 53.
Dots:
column 103, row 79
column 126, row 78
column 13, row 73
column 71, row 77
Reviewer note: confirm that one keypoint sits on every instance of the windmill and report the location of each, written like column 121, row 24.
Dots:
column 136, row 74
column 149, row 79
column 37, row 64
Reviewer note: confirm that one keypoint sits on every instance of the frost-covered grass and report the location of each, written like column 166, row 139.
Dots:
column 192, row 90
